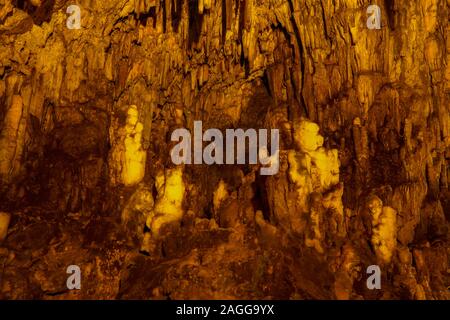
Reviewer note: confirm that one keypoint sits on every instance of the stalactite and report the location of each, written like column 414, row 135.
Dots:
column 229, row 13
column 86, row 173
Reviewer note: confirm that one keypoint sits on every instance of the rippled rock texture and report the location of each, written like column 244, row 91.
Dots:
column 86, row 177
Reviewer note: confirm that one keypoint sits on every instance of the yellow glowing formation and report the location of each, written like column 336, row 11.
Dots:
column 134, row 165
column 168, row 206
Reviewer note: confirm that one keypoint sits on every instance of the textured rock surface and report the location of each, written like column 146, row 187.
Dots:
column 86, row 176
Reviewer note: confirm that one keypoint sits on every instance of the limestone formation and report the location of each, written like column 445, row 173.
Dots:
column 4, row 224
column 169, row 203
column 86, row 175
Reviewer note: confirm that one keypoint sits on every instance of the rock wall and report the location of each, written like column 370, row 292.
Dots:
column 86, row 117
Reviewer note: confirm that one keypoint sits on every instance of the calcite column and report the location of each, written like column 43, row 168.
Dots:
column 127, row 161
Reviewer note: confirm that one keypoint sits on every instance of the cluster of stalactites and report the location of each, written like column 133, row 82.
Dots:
column 144, row 6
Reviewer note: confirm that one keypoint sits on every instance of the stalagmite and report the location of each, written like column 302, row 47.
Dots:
column 168, row 206
column 321, row 164
column 220, row 194
column 384, row 238
column 134, row 165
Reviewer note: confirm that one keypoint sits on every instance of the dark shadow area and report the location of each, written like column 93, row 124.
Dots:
column 195, row 23
column 390, row 11
column 176, row 12
column 143, row 17
column 40, row 14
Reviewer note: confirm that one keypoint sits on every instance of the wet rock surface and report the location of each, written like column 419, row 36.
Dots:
column 86, row 177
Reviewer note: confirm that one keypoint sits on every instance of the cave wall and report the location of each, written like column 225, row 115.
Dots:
column 86, row 175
